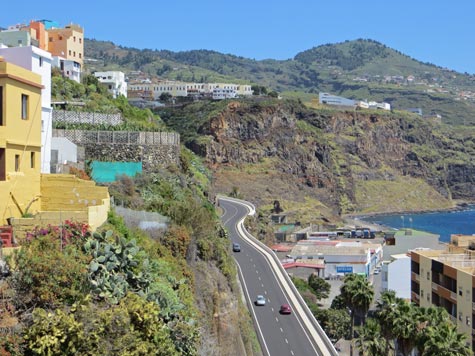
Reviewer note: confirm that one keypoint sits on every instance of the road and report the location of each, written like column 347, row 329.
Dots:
column 259, row 274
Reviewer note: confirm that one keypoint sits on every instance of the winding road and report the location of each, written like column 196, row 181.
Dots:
column 260, row 272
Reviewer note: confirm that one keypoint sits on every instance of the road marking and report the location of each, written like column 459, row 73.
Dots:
column 291, row 352
column 281, row 330
column 287, row 341
column 259, row 278
column 262, row 284
column 276, row 319
column 272, row 309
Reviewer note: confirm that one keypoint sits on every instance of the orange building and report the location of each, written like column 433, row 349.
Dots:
column 67, row 42
column 38, row 32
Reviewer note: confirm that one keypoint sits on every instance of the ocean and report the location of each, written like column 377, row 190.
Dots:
column 443, row 223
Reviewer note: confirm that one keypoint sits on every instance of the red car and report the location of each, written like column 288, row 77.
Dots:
column 285, row 309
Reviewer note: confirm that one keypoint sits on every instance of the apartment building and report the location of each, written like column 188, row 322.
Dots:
column 446, row 278
column 183, row 89
column 20, row 140
column 67, row 42
column 38, row 61
column 66, row 45
column 114, row 81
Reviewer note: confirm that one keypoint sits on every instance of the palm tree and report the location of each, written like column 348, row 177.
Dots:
column 358, row 295
column 405, row 326
column 385, row 314
column 444, row 340
column 369, row 340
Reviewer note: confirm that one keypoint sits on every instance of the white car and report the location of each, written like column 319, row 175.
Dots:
column 260, row 300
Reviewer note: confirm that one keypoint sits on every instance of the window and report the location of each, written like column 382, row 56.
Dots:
column 69, row 52
column 41, row 61
column 3, row 175
column 24, row 107
column 80, row 55
column 80, row 40
column 32, row 159
column 17, row 163
column 51, row 39
column 428, row 276
column 74, row 38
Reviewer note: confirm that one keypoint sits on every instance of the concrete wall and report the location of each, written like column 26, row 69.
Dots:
column 65, row 192
column 397, row 277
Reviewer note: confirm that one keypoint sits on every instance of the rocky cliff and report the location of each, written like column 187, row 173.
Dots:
column 350, row 161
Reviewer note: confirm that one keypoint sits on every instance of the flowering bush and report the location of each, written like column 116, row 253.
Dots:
column 68, row 232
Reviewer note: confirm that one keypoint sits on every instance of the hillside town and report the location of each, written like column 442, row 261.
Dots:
column 37, row 187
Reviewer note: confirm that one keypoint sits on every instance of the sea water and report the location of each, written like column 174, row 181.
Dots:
column 443, row 223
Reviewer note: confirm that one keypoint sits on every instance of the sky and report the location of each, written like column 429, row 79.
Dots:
column 435, row 31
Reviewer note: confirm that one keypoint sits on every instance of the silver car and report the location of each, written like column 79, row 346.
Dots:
column 260, row 300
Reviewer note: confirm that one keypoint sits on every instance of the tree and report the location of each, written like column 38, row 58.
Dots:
column 405, row 327
column 165, row 97
column 444, row 340
column 358, row 295
column 319, row 286
column 369, row 340
column 385, row 315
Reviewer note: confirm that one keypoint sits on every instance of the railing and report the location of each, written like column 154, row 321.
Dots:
column 119, row 137
column 79, row 117
column 415, row 276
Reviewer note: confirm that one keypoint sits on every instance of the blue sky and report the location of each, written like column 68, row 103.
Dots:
column 440, row 32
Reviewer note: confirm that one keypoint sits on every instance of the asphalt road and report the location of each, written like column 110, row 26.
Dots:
column 279, row 334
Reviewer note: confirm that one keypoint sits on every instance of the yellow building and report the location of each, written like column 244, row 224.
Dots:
column 67, row 42
column 446, row 278
column 20, row 141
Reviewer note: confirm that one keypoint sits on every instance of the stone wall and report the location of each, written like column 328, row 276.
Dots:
column 151, row 156
column 153, row 149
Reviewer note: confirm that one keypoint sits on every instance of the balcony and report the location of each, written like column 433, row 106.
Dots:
column 415, row 277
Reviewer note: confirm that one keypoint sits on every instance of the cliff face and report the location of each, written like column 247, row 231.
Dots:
column 330, row 155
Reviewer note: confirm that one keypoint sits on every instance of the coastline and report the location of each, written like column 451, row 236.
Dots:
column 358, row 220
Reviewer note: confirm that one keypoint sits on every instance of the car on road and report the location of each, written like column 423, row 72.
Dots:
column 260, row 300
column 236, row 247
column 377, row 270
column 285, row 309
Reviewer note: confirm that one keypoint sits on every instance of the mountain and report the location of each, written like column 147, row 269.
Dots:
column 359, row 69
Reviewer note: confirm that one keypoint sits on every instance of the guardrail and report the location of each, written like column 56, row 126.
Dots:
column 327, row 342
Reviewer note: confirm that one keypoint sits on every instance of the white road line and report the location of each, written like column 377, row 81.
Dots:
column 291, row 352
column 276, row 319
column 287, row 341
column 281, row 330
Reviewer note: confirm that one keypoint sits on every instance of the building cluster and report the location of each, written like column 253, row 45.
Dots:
column 152, row 90
column 65, row 45
column 412, row 263
column 27, row 188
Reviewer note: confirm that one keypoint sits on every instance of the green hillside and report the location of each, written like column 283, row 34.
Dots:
column 359, row 69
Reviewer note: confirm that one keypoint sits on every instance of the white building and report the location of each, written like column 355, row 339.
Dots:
column 115, row 82
column 69, row 68
column 39, row 62
column 341, row 257
column 63, row 152
column 220, row 94
column 184, row 89
column 396, row 276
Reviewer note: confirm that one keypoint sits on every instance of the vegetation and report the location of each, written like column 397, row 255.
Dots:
column 92, row 96
column 359, row 69
column 401, row 327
